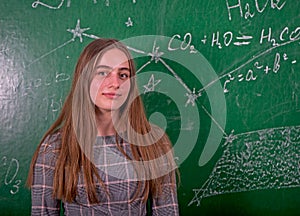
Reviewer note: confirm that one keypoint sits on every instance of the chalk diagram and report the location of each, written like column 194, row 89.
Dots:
column 155, row 55
column 256, row 160
column 263, row 159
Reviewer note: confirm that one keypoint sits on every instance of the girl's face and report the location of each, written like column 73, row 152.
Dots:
column 111, row 83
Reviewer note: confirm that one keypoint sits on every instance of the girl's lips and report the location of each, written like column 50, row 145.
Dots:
column 111, row 95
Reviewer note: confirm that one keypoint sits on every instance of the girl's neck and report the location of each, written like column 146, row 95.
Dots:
column 105, row 123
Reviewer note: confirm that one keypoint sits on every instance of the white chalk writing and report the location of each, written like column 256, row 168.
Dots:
column 11, row 169
column 56, row 6
column 247, row 12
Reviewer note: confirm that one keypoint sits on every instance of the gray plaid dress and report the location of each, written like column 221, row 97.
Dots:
column 117, row 173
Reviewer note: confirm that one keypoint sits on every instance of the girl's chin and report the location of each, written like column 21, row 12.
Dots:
column 108, row 108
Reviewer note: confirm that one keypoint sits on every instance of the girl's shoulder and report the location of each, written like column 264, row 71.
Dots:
column 49, row 148
column 52, row 141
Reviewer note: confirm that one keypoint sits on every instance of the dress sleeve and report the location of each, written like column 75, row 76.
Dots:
column 42, row 199
column 167, row 203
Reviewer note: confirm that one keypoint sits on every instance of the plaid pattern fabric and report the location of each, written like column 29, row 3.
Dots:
column 116, row 172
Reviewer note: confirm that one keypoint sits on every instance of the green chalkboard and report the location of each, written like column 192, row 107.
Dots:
column 221, row 76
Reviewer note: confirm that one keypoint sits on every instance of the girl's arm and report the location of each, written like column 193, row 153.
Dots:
column 166, row 203
column 42, row 199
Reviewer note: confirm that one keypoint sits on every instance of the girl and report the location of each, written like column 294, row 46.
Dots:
column 102, row 156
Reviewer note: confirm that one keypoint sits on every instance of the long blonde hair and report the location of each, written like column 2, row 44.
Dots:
column 78, row 126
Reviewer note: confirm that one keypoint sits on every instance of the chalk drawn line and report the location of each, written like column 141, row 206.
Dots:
column 77, row 32
column 48, row 53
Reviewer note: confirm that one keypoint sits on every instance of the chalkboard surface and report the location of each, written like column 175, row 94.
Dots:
column 221, row 76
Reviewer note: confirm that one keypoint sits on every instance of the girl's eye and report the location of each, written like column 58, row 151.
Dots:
column 124, row 75
column 102, row 73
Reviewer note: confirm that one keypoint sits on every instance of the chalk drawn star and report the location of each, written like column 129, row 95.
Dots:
column 192, row 96
column 78, row 32
column 151, row 84
column 230, row 138
column 155, row 54
column 129, row 22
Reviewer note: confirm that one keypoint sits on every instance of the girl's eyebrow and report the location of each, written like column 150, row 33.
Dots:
column 110, row 68
column 103, row 66
column 124, row 68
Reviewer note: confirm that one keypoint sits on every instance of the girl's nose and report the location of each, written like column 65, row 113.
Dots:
column 113, row 80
